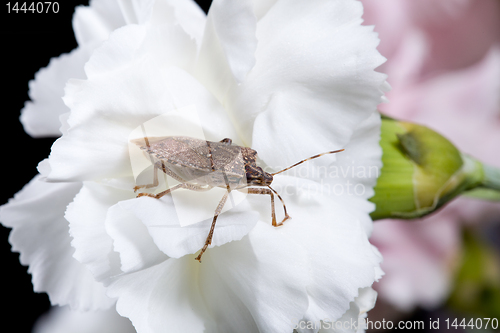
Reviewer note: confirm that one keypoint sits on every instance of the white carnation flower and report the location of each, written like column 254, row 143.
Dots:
column 289, row 80
column 63, row 320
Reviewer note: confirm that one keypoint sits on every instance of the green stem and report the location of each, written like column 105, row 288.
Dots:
column 491, row 177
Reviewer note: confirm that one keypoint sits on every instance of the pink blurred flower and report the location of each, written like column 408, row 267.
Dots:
column 444, row 68
column 456, row 33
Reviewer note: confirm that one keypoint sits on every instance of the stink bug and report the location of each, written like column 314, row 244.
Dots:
column 200, row 165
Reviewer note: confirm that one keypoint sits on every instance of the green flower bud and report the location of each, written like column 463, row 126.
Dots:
column 422, row 171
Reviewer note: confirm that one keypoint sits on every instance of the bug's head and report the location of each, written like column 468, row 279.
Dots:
column 257, row 176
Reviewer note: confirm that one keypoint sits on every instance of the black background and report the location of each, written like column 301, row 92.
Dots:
column 29, row 41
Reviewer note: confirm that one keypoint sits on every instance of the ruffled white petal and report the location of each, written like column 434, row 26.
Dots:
column 261, row 7
column 63, row 320
column 161, row 42
column 161, row 296
column 314, row 61
column 86, row 216
column 353, row 175
column 354, row 320
column 92, row 25
column 228, row 46
column 235, row 24
column 341, row 258
column 40, row 235
column 95, row 22
column 264, row 276
column 254, row 276
column 190, row 17
column 122, row 93
column 164, row 221
column 40, row 116
column 132, row 240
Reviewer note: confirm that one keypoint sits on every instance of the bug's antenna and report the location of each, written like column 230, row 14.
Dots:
column 308, row 159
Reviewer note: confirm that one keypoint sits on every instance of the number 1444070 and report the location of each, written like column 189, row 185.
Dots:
column 33, row 7
column 474, row 323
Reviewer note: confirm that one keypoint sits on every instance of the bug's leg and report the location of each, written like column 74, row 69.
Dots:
column 155, row 166
column 178, row 186
column 284, row 207
column 168, row 172
column 266, row 191
column 183, row 184
column 273, row 213
column 155, row 180
column 212, row 228
column 159, row 195
column 159, row 165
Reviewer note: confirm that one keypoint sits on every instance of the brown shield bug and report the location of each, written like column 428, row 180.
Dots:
column 200, row 165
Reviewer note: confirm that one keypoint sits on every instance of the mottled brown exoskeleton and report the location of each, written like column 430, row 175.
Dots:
column 200, row 165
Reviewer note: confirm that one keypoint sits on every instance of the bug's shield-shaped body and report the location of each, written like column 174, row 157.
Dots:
column 198, row 162
column 200, row 165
